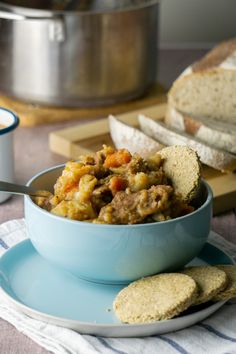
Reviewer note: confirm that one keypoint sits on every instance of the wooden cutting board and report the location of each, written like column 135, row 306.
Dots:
column 34, row 114
column 86, row 138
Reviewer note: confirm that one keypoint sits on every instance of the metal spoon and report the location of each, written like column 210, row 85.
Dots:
column 19, row 189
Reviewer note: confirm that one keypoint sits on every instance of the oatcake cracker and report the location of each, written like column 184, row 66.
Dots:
column 230, row 290
column 210, row 281
column 155, row 298
column 182, row 166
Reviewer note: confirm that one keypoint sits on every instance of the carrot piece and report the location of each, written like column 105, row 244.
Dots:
column 70, row 186
column 117, row 184
column 118, row 158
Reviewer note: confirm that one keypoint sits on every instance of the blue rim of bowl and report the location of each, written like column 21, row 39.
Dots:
column 53, row 216
column 13, row 125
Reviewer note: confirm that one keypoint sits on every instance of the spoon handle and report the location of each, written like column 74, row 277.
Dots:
column 16, row 188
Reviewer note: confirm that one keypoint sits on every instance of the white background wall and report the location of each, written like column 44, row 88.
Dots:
column 196, row 23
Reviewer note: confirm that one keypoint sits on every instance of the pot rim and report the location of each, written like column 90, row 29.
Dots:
column 28, row 11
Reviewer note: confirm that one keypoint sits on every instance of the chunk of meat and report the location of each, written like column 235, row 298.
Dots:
column 177, row 208
column 101, row 196
column 133, row 208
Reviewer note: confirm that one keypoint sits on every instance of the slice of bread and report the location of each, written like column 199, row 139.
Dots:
column 125, row 136
column 219, row 134
column 216, row 158
column 208, row 94
column 207, row 88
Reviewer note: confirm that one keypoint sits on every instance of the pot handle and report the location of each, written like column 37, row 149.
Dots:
column 56, row 24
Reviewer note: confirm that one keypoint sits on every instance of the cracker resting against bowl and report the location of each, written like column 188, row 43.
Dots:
column 155, row 298
column 182, row 166
column 181, row 163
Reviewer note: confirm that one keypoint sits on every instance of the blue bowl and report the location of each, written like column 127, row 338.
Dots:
column 115, row 254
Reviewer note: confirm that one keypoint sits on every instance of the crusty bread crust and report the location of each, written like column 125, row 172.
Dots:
column 216, row 158
column 209, row 93
column 209, row 131
column 207, row 87
column 125, row 136
column 216, row 56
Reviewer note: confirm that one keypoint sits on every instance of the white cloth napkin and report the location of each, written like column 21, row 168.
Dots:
column 215, row 335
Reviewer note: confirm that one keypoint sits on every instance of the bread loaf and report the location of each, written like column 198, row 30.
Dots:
column 216, row 158
column 219, row 134
column 208, row 87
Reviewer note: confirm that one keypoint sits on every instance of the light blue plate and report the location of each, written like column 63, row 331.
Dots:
column 42, row 291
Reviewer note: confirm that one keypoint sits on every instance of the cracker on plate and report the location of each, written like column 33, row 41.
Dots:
column 210, row 280
column 155, row 298
column 230, row 290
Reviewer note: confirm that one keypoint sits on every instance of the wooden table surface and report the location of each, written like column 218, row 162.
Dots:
column 33, row 155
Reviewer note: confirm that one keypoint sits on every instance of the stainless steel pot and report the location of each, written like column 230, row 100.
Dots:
column 77, row 53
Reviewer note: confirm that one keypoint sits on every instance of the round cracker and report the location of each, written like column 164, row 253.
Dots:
column 182, row 166
column 230, row 290
column 210, row 281
column 155, row 298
